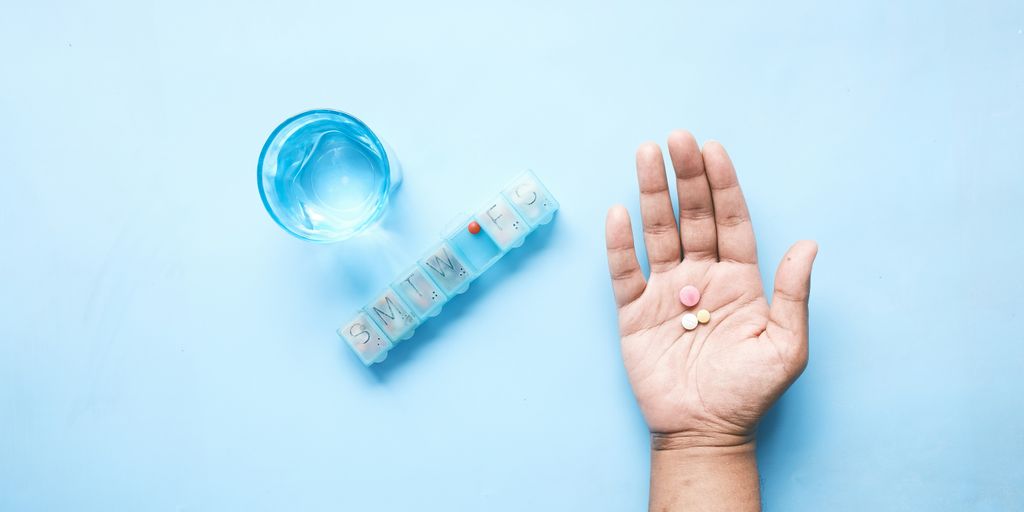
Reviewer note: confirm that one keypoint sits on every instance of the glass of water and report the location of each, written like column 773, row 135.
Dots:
column 324, row 176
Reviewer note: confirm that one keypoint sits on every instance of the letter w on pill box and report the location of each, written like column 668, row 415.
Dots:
column 448, row 268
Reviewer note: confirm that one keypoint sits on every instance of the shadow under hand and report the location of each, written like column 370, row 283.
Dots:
column 791, row 430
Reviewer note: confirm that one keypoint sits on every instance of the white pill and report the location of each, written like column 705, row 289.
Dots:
column 689, row 321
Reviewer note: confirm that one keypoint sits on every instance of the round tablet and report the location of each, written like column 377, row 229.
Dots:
column 689, row 321
column 689, row 295
column 703, row 316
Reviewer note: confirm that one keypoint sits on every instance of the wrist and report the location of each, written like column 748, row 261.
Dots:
column 702, row 472
column 701, row 442
column 688, row 453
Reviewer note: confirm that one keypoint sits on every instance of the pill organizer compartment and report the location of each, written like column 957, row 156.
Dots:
column 365, row 339
column 420, row 293
column 501, row 222
column 478, row 248
column 531, row 199
column 447, row 269
column 392, row 315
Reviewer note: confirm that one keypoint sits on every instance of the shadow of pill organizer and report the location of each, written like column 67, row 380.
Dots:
column 446, row 270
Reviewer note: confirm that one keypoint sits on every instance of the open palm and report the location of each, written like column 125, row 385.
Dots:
column 711, row 384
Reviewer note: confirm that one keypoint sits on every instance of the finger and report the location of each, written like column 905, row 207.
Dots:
column 696, row 211
column 732, row 220
column 627, row 278
column 660, row 232
column 788, row 315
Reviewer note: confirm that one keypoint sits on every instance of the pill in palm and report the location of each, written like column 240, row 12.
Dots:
column 689, row 321
column 689, row 295
column 703, row 316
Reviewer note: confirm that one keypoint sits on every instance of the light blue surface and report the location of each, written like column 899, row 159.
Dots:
column 165, row 346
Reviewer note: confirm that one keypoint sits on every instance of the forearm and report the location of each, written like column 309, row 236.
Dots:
column 687, row 477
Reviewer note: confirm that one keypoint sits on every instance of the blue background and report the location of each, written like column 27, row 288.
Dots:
column 165, row 346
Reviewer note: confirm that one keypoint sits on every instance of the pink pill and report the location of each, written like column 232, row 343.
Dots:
column 689, row 296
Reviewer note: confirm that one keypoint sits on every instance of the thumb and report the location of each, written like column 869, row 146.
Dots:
column 788, row 316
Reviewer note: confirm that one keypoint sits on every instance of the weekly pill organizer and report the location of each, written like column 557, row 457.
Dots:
column 447, row 269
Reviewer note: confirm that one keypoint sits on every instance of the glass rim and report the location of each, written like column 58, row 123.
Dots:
column 276, row 136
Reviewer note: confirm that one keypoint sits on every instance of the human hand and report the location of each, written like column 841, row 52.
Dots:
column 707, row 387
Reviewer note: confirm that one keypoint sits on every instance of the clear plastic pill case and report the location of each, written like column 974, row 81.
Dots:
column 448, row 268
